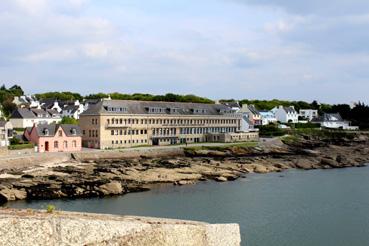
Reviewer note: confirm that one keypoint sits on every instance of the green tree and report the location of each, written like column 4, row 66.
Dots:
column 69, row 120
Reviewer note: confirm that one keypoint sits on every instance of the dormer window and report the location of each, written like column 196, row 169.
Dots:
column 73, row 131
column 46, row 132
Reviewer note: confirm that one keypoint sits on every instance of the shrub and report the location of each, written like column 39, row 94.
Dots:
column 271, row 131
column 50, row 208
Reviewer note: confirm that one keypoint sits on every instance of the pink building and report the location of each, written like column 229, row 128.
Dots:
column 55, row 137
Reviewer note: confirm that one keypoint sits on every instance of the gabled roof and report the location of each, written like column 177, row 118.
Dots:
column 50, row 130
column 141, row 107
column 22, row 113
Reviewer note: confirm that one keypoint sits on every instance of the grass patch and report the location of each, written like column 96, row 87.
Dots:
column 21, row 146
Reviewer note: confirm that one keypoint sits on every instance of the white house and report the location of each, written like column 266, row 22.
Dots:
column 6, row 132
column 26, row 101
column 73, row 110
column 334, row 121
column 308, row 114
column 267, row 117
column 22, row 117
column 65, row 108
column 286, row 114
column 235, row 106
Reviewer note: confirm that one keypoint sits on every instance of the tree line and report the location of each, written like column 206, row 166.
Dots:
column 359, row 114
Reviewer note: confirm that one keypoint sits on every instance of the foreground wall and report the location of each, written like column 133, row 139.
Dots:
column 28, row 227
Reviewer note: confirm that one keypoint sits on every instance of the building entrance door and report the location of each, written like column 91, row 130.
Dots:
column 46, row 146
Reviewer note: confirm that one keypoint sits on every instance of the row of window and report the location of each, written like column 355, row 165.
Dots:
column 65, row 144
column 142, row 141
column 173, row 131
column 128, row 132
column 170, row 121
column 207, row 130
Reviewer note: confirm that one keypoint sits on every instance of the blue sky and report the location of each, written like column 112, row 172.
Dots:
column 257, row 49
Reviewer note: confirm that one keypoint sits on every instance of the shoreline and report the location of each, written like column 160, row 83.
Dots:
column 88, row 177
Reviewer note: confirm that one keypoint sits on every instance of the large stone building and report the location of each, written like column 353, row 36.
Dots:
column 120, row 123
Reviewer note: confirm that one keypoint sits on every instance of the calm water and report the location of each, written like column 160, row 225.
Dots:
column 301, row 208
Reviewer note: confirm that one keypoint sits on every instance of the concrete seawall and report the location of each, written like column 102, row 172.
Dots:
column 28, row 227
column 27, row 160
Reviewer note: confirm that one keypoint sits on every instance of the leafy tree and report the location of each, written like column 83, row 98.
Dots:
column 63, row 96
column 69, row 120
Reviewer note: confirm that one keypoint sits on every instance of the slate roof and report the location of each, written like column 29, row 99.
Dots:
column 24, row 113
column 71, row 108
column 290, row 110
column 253, row 109
column 329, row 118
column 232, row 104
column 141, row 107
column 49, row 130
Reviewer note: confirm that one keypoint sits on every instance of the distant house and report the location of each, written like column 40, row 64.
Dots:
column 6, row 132
column 334, row 121
column 235, row 106
column 26, row 102
column 71, row 109
column 252, row 114
column 23, row 117
column 308, row 114
column 55, row 137
column 267, row 117
column 286, row 114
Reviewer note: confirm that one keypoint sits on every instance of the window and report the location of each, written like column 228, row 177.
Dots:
column 56, row 144
column 65, row 144
column 112, row 132
column 74, row 144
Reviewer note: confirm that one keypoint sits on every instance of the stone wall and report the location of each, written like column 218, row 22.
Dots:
column 28, row 160
column 129, row 153
column 28, row 227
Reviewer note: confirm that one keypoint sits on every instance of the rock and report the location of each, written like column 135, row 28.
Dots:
column 221, row 179
column 12, row 195
column 185, row 182
column 341, row 159
column 112, row 188
column 304, row 164
column 330, row 162
column 260, row 169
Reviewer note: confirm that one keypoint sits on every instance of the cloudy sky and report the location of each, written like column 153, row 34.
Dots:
column 257, row 49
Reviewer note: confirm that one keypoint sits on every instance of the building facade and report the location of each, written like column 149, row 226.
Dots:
column 334, row 121
column 252, row 114
column 286, row 114
column 120, row 123
column 267, row 117
column 308, row 114
column 55, row 138
column 6, row 132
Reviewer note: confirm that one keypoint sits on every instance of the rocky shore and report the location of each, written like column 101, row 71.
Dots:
column 97, row 177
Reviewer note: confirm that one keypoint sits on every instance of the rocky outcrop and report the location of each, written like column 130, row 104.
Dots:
column 28, row 227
